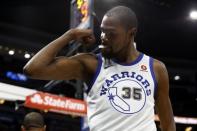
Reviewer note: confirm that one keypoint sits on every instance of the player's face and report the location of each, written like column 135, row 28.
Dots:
column 114, row 37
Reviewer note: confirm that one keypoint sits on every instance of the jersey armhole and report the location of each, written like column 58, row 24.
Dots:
column 96, row 73
column 151, row 62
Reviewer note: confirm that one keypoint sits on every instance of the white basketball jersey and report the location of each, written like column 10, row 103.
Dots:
column 122, row 96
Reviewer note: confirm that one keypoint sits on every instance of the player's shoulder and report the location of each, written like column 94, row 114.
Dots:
column 159, row 68
column 89, row 61
column 159, row 65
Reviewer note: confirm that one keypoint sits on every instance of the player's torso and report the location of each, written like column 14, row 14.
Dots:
column 122, row 96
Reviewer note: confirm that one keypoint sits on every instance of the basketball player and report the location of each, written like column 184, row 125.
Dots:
column 33, row 121
column 124, row 84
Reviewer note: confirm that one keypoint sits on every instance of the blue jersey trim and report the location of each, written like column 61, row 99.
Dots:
column 97, row 72
column 153, row 75
column 133, row 62
column 81, row 125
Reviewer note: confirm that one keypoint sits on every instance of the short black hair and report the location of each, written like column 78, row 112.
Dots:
column 125, row 15
column 33, row 120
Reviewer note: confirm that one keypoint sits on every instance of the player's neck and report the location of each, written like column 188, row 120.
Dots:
column 128, row 55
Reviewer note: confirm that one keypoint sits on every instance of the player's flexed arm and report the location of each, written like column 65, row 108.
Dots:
column 45, row 64
column 163, row 104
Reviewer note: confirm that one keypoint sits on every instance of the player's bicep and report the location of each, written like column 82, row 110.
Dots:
column 162, row 79
column 162, row 83
column 163, row 104
column 62, row 68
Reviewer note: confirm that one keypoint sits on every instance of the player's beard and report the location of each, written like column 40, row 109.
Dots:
column 113, row 53
column 108, row 53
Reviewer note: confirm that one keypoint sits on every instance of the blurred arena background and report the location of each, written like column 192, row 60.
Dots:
column 167, row 31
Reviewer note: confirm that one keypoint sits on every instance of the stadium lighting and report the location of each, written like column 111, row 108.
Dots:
column 177, row 77
column 27, row 56
column 11, row 52
column 193, row 14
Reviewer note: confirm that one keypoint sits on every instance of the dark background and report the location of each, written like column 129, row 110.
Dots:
column 165, row 32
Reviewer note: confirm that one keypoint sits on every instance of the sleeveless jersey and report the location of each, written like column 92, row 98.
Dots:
column 121, row 97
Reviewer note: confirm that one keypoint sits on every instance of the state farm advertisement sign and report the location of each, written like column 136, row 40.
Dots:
column 46, row 101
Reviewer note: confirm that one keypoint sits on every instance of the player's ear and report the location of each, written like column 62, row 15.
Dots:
column 133, row 31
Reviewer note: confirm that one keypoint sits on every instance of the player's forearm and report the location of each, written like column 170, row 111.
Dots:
column 168, row 124
column 167, row 120
column 171, row 127
column 47, row 54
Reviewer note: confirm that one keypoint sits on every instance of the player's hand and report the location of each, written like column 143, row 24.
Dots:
column 85, row 36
